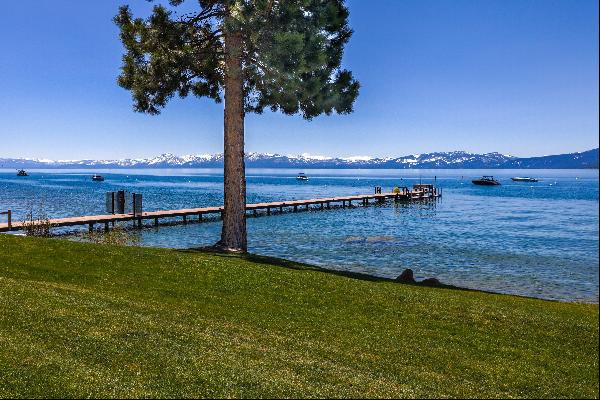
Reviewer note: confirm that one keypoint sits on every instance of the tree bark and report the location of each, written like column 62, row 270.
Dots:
column 233, row 233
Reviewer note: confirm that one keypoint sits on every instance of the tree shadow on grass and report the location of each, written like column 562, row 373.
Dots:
column 280, row 262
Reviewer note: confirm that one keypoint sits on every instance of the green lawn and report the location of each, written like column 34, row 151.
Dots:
column 85, row 320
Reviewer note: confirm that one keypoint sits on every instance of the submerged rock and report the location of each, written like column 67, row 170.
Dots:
column 351, row 239
column 431, row 282
column 380, row 238
column 406, row 276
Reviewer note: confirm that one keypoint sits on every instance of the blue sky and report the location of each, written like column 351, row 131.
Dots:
column 512, row 76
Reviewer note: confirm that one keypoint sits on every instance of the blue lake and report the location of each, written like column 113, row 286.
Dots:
column 534, row 239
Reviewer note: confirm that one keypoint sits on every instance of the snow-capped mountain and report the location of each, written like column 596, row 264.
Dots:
column 454, row 159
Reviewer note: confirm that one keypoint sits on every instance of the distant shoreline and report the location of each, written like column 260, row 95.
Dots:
column 441, row 160
column 295, row 168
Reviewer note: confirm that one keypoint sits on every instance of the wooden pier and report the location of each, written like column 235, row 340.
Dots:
column 108, row 220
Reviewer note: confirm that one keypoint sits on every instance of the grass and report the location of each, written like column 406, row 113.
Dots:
column 88, row 320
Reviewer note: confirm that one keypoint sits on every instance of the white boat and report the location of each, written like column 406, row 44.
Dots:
column 302, row 177
column 523, row 179
column 97, row 178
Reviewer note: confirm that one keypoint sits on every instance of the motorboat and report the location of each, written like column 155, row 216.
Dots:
column 524, row 179
column 22, row 172
column 97, row 178
column 486, row 181
column 302, row 177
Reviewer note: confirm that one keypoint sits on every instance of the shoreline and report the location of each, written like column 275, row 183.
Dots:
column 286, row 263
column 535, row 252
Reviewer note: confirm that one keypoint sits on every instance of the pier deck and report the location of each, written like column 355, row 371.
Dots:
column 345, row 201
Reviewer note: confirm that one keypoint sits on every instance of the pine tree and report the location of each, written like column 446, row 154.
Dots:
column 282, row 55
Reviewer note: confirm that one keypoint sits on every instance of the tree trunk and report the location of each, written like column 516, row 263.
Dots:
column 233, row 234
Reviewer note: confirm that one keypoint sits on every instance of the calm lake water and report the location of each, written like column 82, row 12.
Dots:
column 534, row 239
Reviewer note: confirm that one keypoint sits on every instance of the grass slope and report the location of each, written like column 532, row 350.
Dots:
column 80, row 320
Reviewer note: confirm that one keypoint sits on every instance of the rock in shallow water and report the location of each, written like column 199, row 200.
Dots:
column 431, row 282
column 406, row 276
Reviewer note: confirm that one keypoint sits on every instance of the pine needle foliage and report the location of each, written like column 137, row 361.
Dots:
column 292, row 54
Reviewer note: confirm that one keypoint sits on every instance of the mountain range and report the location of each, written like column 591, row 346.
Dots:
column 454, row 159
